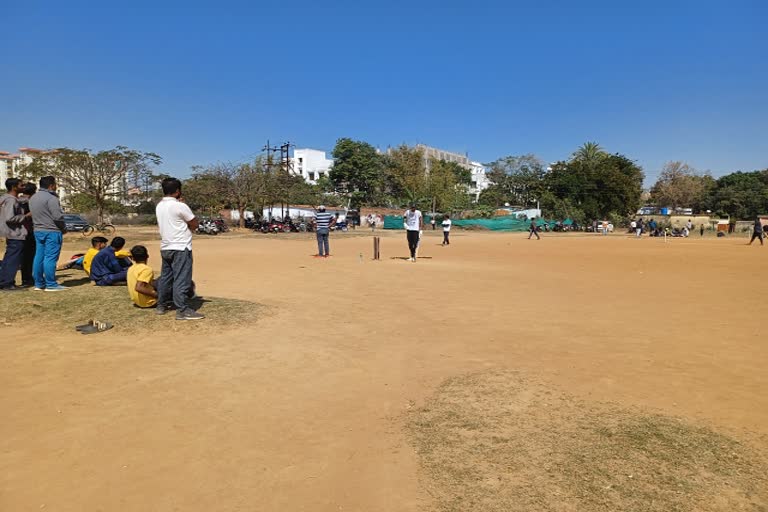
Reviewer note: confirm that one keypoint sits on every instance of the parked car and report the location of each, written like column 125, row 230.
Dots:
column 75, row 222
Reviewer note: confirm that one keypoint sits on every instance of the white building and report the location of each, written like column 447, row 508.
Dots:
column 311, row 164
column 11, row 164
column 480, row 179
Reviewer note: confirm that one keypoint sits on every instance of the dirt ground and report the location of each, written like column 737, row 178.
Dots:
column 303, row 407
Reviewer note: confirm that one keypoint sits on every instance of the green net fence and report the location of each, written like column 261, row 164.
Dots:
column 507, row 223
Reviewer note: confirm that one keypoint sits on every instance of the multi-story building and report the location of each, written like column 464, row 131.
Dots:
column 480, row 179
column 11, row 164
column 431, row 153
column 311, row 164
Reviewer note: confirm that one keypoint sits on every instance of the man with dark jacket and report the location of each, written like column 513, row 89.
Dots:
column 757, row 232
column 28, row 256
column 12, row 228
column 106, row 269
column 48, row 221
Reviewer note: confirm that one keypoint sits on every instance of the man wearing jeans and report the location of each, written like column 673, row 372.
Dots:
column 48, row 223
column 12, row 228
column 323, row 223
column 176, row 223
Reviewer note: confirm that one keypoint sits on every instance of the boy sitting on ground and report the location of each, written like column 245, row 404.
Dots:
column 106, row 270
column 142, row 286
column 83, row 261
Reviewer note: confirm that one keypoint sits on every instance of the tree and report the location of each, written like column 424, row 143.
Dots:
column 599, row 186
column 742, row 195
column 515, row 179
column 590, row 153
column 443, row 186
column 227, row 185
column 406, row 176
column 680, row 185
column 102, row 175
column 357, row 171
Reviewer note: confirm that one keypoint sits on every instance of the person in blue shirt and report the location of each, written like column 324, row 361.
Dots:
column 106, row 269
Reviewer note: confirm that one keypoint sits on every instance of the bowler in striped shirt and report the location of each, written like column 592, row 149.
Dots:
column 323, row 223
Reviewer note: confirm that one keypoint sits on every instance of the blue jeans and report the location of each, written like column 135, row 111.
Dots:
column 113, row 279
column 47, row 250
column 11, row 261
column 322, row 242
column 175, row 279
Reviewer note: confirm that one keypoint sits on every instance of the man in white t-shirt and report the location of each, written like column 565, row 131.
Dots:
column 413, row 222
column 446, row 229
column 176, row 223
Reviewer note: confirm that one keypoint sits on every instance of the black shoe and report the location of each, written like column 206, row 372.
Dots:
column 11, row 288
column 189, row 314
column 161, row 309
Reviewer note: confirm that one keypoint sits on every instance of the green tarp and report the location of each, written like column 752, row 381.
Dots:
column 507, row 223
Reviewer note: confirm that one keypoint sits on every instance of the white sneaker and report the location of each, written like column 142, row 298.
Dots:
column 39, row 289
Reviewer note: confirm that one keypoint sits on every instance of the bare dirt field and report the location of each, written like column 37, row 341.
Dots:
column 624, row 371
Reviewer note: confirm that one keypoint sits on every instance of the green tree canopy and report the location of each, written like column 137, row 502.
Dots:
column 357, row 171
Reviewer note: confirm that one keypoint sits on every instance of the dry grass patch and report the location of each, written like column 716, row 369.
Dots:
column 84, row 301
column 497, row 441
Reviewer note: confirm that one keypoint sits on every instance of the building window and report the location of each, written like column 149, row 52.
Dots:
column 312, row 176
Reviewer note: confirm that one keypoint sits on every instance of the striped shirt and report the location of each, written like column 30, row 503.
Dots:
column 323, row 220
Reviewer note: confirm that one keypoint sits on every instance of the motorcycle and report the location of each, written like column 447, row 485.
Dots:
column 208, row 227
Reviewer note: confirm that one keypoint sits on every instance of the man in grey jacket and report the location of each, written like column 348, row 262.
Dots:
column 12, row 228
column 48, row 222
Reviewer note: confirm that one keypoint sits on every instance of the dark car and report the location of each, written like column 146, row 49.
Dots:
column 75, row 222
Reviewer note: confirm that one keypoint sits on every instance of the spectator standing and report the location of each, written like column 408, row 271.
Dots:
column 12, row 228
column 701, row 230
column 48, row 223
column 757, row 232
column 176, row 223
column 413, row 222
column 324, row 221
column 447, row 229
column 533, row 230
column 28, row 256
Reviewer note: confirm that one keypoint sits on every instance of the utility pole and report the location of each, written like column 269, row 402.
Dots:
column 270, row 150
column 285, row 156
column 285, row 160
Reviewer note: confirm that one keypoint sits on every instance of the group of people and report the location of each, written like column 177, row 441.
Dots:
column 413, row 222
column 32, row 223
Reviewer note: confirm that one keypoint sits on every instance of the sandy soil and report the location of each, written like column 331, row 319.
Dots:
column 303, row 408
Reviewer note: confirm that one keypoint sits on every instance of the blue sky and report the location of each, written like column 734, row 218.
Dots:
column 207, row 82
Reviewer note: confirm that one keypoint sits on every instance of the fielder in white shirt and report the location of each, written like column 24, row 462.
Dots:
column 413, row 223
column 446, row 229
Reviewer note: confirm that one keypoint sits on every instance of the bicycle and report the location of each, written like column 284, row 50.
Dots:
column 106, row 228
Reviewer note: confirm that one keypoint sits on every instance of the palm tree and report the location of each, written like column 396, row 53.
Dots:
column 589, row 152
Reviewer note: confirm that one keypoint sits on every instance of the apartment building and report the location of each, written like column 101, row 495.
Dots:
column 311, row 164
